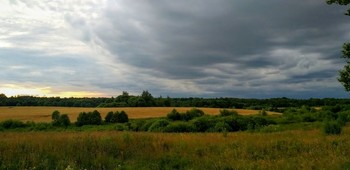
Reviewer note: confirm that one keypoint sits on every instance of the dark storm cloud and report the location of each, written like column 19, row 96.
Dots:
column 244, row 48
column 180, row 35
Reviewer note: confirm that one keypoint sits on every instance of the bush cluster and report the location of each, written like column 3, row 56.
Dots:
column 195, row 121
column 89, row 118
column 190, row 114
column 60, row 120
column 116, row 117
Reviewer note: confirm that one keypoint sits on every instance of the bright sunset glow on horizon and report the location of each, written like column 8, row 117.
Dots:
column 16, row 90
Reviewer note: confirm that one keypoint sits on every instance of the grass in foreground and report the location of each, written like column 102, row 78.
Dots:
column 296, row 149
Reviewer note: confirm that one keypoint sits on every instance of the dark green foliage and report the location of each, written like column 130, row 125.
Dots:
column 332, row 128
column 12, row 124
column 64, row 120
column 263, row 112
column 109, row 117
column 222, row 127
column 190, row 114
column 95, row 118
column 174, row 115
column 90, row 118
column 309, row 118
column 202, row 124
column 121, row 127
column 122, row 117
column 344, row 74
column 147, row 124
column 55, row 118
column 180, row 127
column 232, row 122
column 137, row 124
column 343, row 117
column 117, row 117
column 158, row 125
column 41, row 126
column 226, row 112
column 60, row 120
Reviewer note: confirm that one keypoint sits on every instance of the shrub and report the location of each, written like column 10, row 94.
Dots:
column 64, row 120
column 263, row 112
column 226, row 112
column 95, row 118
column 136, row 125
column 12, row 124
column 147, row 124
column 122, row 117
column 190, row 114
column 174, row 115
column 55, row 116
column 117, row 117
column 202, row 124
column 60, row 120
column 332, row 128
column 180, row 127
column 121, row 127
column 109, row 117
column 222, row 127
column 232, row 122
column 41, row 126
column 328, row 115
column 343, row 117
column 308, row 117
column 158, row 125
column 90, row 118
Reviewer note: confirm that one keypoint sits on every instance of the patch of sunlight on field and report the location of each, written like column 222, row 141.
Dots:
column 43, row 114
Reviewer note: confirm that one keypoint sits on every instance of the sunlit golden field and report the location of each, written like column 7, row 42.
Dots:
column 43, row 114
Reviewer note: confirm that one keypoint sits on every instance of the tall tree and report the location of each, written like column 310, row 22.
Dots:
column 344, row 74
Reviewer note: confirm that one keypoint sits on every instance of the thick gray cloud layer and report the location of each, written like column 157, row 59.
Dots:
column 241, row 48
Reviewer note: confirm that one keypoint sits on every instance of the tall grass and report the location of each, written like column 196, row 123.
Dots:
column 296, row 149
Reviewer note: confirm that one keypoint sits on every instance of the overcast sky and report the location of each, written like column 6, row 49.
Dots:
column 198, row 48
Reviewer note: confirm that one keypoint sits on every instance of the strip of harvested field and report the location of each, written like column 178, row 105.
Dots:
column 43, row 114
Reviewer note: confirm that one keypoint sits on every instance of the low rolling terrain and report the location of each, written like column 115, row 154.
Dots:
column 43, row 114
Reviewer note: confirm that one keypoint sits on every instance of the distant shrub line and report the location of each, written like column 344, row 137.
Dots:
column 195, row 120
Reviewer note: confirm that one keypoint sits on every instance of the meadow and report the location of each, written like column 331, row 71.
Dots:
column 294, row 149
column 43, row 114
column 292, row 140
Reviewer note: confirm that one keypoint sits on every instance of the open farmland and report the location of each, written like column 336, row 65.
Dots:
column 43, row 114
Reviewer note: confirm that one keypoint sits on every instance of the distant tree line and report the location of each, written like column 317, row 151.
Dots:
column 147, row 100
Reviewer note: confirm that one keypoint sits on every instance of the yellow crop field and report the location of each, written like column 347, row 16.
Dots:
column 43, row 114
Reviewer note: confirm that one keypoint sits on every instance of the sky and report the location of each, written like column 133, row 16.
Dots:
column 192, row 48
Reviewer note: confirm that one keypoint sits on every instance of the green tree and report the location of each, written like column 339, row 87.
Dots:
column 95, row 118
column 64, row 120
column 55, row 118
column 122, row 117
column 3, row 96
column 109, row 117
column 344, row 74
column 174, row 115
column 340, row 2
column 148, row 98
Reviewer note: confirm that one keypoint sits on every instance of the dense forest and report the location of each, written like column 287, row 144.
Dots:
column 147, row 100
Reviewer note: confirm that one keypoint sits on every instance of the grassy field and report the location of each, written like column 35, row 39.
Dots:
column 294, row 149
column 43, row 114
